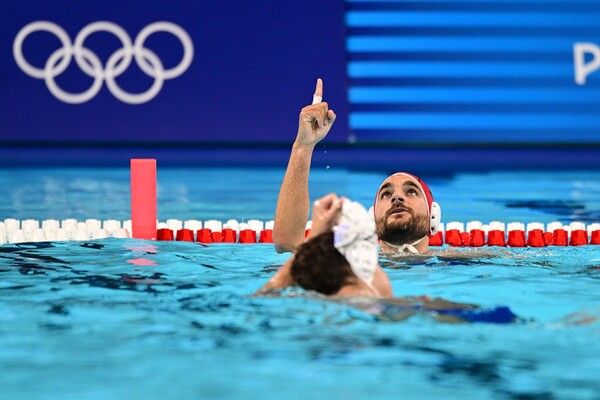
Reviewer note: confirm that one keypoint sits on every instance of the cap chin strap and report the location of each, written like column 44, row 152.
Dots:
column 406, row 248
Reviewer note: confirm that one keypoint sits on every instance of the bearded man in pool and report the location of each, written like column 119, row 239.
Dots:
column 404, row 211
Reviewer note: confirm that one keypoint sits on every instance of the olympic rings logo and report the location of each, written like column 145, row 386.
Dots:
column 116, row 64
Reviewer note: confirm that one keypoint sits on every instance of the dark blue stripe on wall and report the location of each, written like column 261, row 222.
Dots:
column 476, row 5
column 471, row 71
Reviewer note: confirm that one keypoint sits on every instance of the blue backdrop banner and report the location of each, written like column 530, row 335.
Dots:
column 400, row 72
column 134, row 71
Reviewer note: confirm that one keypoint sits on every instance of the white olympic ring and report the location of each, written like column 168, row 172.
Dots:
column 91, row 65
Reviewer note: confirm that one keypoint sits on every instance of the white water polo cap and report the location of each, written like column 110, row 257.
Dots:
column 354, row 237
column 435, row 211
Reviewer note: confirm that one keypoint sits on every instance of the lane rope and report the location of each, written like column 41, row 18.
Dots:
column 455, row 233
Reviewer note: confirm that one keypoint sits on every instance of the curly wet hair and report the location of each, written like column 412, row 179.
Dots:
column 319, row 266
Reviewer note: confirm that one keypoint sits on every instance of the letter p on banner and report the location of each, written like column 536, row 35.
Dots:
column 583, row 69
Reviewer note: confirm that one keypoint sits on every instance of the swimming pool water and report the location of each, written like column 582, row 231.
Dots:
column 221, row 193
column 124, row 318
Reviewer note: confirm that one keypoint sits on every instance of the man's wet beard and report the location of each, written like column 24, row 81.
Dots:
column 405, row 232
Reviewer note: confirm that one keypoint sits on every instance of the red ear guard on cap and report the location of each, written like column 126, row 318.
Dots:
column 435, row 211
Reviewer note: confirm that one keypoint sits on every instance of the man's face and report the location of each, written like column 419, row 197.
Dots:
column 401, row 214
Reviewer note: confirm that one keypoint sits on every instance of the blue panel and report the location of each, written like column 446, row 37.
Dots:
column 361, row 120
column 480, row 95
column 467, row 71
column 372, row 69
column 466, row 19
column 461, row 44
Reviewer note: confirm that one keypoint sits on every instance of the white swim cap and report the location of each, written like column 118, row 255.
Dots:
column 354, row 237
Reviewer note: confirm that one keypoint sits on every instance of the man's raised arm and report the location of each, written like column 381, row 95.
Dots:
column 293, row 205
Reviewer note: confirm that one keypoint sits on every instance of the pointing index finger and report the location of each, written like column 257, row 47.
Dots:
column 319, row 88
column 318, row 96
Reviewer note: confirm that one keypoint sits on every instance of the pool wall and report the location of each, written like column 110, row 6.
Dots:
column 433, row 161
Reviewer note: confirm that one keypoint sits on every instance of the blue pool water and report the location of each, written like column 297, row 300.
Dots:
column 84, row 320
